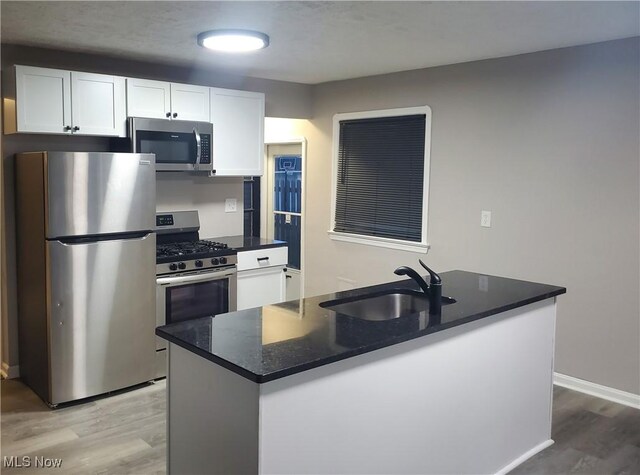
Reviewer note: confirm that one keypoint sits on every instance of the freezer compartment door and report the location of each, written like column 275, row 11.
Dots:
column 101, row 312
column 99, row 193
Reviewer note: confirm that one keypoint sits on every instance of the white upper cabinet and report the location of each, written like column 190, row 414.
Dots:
column 164, row 100
column 43, row 100
column 98, row 104
column 238, row 132
column 146, row 98
column 189, row 102
column 54, row 101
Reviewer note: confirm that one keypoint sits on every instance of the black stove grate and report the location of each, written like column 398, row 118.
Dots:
column 176, row 251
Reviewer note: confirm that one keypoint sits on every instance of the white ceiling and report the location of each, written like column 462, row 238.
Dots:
column 314, row 42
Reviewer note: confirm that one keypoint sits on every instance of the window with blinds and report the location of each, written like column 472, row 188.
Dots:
column 380, row 182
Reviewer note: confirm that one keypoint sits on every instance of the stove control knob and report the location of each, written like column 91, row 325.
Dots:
column 198, row 263
column 223, row 260
column 173, row 266
column 215, row 261
column 182, row 265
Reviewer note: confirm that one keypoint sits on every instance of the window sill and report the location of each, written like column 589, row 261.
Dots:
column 380, row 242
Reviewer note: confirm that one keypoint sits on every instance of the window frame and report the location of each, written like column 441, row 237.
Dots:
column 422, row 246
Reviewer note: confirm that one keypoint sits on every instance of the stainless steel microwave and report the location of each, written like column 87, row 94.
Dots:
column 179, row 145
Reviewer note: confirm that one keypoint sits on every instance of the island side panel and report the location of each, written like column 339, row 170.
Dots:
column 472, row 399
column 212, row 417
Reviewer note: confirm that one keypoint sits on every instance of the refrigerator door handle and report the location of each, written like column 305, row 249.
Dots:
column 137, row 236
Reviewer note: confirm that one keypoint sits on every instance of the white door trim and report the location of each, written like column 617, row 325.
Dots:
column 302, row 141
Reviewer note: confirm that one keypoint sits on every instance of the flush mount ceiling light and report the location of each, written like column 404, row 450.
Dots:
column 233, row 41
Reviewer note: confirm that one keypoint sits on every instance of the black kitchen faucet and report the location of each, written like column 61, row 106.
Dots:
column 433, row 290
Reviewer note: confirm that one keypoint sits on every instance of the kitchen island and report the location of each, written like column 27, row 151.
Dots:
column 299, row 388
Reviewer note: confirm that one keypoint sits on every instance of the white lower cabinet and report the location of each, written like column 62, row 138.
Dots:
column 261, row 277
column 293, row 284
column 261, row 287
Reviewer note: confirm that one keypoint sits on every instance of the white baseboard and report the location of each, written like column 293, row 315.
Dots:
column 9, row 372
column 597, row 390
column 525, row 456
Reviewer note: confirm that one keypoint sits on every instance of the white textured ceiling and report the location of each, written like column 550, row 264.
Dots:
column 314, row 42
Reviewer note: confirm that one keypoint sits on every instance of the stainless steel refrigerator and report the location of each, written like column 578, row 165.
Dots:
column 86, row 272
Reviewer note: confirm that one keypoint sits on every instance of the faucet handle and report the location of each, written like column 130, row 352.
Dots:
column 435, row 278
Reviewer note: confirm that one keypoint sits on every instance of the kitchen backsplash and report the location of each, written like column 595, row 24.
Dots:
column 185, row 191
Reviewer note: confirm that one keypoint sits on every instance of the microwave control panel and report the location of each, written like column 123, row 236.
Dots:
column 205, row 143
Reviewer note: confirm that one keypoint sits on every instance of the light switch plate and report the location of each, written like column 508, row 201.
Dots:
column 485, row 219
column 230, row 205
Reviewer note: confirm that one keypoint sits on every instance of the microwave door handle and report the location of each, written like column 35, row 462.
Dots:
column 198, row 146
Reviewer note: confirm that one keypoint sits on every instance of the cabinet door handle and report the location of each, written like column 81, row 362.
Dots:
column 168, row 114
column 67, row 128
column 76, row 128
column 175, row 114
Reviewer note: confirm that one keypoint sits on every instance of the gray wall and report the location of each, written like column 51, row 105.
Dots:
column 174, row 191
column 549, row 143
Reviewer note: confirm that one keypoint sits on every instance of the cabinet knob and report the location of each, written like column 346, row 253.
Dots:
column 168, row 114
column 67, row 128
column 76, row 128
column 175, row 114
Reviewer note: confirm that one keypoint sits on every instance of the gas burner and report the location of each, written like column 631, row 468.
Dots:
column 179, row 249
column 187, row 248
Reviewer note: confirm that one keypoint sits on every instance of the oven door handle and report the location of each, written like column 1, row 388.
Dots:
column 187, row 279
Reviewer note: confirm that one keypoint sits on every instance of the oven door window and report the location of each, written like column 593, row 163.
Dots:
column 202, row 299
column 169, row 147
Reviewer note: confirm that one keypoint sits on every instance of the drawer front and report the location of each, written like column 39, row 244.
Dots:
column 261, row 258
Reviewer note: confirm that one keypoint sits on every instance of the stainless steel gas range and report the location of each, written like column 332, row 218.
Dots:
column 194, row 278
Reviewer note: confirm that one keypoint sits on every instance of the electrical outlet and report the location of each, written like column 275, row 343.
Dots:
column 485, row 219
column 230, row 205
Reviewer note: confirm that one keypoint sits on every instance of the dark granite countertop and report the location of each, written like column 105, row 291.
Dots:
column 242, row 243
column 268, row 343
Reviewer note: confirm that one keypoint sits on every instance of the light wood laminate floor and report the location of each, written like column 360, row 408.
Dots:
column 122, row 433
column 125, row 434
